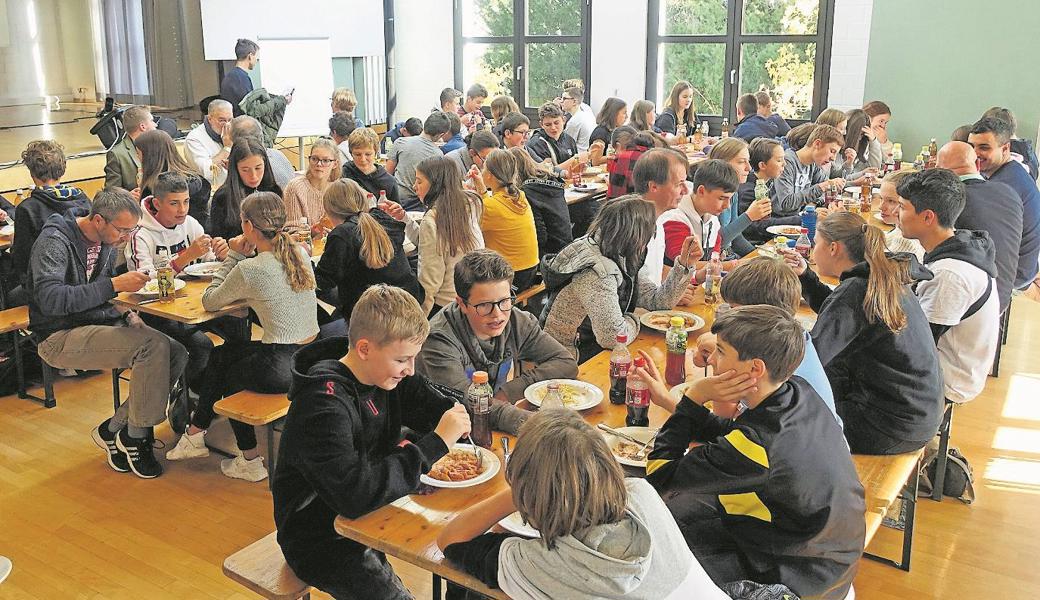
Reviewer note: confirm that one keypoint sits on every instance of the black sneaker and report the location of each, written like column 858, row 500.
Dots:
column 106, row 440
column 139, row 454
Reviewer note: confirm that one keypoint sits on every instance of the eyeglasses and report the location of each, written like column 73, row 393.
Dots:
column 485, row 309
column 123, row 231
column 321, row 161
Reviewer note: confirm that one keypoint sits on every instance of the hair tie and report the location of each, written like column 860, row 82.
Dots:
column 863, row 227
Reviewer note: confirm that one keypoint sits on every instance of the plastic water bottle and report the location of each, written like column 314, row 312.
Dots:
column 553, row 397
column 620, row 365
column 897, row 156
column 809, row 222
column 478, row 402
column 164, row 276
column 637, row 399
column 675, row 340
column 713, row 279
column 382, row 198
column 725, row 128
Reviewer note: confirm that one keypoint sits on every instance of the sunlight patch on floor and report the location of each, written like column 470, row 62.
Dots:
column 1017, row 439
column 1021, row 400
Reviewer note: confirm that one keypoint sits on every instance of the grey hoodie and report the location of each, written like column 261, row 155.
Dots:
column 584, row 284
column 452, row 353
column 641, row 557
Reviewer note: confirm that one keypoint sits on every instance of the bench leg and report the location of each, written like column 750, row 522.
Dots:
column 909, row 497
column 48, row 400
column 945, row 427
column 437, row 587
column 270, row 456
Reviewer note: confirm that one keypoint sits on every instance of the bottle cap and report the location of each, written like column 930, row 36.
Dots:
column 639, row 362
column 810, row 209
column 553, row 385
column 622, row 338
column 805, row 230
column 714, row 254
column 677, row 321
column 480, row 377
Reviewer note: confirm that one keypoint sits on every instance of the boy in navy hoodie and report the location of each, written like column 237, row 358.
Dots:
column 770, row 493
column 342, row 452
column 960, row 300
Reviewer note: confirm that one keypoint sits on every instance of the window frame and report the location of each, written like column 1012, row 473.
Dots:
column 734, row 39
column 519, row 40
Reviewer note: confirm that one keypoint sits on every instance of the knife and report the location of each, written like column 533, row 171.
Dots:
column 623, row 436
column 505, row 451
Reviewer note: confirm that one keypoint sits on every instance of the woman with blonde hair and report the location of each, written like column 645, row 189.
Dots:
column 272, row 274
column 894, row 239
column 158, row 154
column 365, row 247
column 449, row 229
column 508, row 221
column 303, row 194
column 612, row 535
column 873, row 339
column 345, row 100
column 679, row 117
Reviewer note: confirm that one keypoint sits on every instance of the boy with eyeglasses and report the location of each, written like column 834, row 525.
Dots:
column 484, row 331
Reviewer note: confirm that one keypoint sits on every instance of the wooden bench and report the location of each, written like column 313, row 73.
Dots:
column 261, row 567
column 527, row 295
column 884, row 479
column 13, row 321
column 258, row 410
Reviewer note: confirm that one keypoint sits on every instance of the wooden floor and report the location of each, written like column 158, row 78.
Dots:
column 76, row 529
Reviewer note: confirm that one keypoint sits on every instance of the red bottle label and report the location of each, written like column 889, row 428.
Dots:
column 619, row 369
column 638, row 397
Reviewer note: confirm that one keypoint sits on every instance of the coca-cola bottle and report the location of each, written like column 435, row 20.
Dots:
column 620, row 365
column 637, row 399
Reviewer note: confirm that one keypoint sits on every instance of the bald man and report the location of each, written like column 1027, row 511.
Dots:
column 995, row 208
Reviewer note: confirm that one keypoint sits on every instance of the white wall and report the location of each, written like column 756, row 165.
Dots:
column 618, row 64
column 424, row 53
column 849, row 53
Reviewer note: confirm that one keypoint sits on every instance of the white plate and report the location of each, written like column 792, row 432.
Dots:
column 7, row 229
column 807, row 322
column 203, row 269
column 491, row 466
column 154, row 285
column 583, row 189
column 677, row 392
column 785, row 230
column 640, row 433
column 594, row 170
column 698, row 322
column 857, row 191
column 514, row 523
column 593, row 395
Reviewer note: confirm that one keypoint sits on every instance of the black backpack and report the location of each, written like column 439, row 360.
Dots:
column 959, row 480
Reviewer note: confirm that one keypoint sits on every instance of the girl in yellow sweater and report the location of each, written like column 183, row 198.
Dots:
column 507, row 222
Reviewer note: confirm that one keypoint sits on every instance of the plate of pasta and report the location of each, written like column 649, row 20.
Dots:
column 152, row 287
column 577, row 395
column 459, row 468
column 660, row 320
column 203, row 269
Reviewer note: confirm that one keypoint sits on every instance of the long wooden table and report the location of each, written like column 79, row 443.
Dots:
column 186, row 307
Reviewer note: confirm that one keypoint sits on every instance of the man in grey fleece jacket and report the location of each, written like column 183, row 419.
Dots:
column 482, row 331
column 804, row 178
column 71, row 280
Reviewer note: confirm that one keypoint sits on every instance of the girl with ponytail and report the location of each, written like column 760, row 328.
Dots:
column 271, row 274
column 365, row 247
column 508, row 222
column 872, row 337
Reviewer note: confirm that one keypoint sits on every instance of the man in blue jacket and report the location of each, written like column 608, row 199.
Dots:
column 750, row 124
column 991, row 138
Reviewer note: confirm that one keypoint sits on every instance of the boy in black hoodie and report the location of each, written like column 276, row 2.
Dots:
column 372, row 177
column 961, row 300
column 342, row 452
column 770, row 493
column 45, row 160
column 549, row 142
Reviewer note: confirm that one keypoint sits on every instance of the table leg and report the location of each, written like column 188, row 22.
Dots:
column 437, row 587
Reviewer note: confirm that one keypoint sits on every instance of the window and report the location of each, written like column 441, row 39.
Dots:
column 726, row 48
column 521, row 48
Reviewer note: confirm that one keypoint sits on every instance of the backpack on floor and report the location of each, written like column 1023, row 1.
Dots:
column 959, row 480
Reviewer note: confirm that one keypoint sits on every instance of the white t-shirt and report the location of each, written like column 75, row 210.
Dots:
column 580, row 126
column 966, row 350
column 653, row 265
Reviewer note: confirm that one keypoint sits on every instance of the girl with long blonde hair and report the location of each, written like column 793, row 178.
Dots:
column 365, row 247
column 613, row 535
column 271, row 274
column 872, row 337
column 303, row 194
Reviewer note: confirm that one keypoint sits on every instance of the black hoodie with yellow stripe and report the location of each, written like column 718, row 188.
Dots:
column 787, row 491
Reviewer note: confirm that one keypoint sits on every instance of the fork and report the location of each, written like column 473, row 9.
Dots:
column 476, row 453
column 641, row 455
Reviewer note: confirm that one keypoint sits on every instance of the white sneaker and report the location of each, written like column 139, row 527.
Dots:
column 240, row 468
column 189, row 446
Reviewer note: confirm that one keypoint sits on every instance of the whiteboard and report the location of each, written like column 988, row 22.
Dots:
column 306, row 65
column 354, row 27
